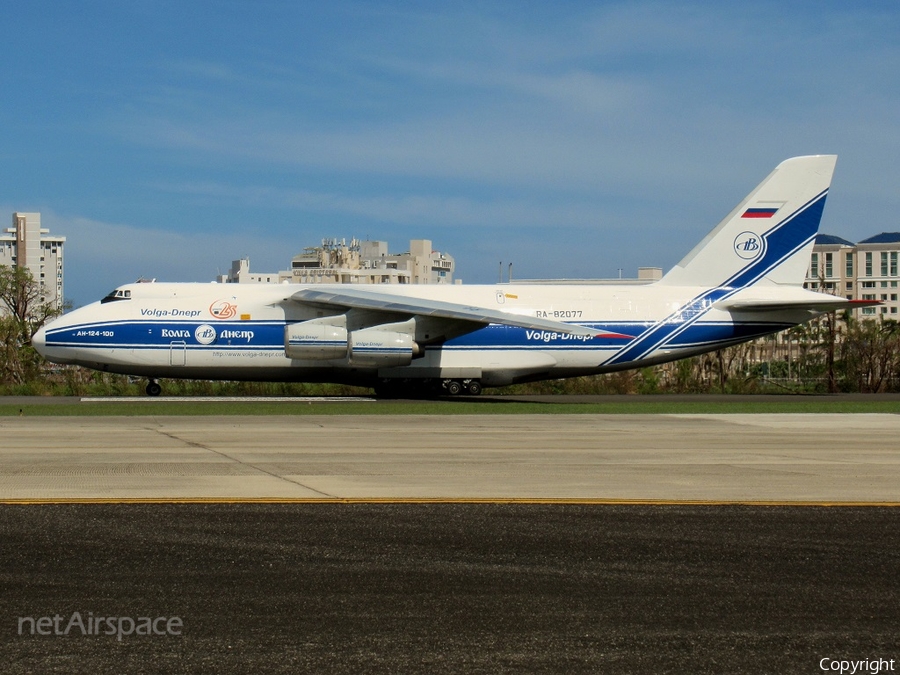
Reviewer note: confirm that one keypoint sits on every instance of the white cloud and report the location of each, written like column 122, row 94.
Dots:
column 626, row 99
column 404, row 209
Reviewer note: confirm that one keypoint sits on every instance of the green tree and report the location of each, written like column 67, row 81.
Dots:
column 870, row 354
column 23, row 310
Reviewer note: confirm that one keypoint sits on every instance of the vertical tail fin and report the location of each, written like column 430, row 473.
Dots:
column 768, row 237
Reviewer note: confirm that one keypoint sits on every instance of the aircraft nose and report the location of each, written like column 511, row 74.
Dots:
column 39, row 341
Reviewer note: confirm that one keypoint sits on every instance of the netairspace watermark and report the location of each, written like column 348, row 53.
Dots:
column 859, row 666
column 120, row 626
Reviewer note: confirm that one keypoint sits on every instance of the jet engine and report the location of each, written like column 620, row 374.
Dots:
column 379, row 348
column 315, row 340
column 328, row 340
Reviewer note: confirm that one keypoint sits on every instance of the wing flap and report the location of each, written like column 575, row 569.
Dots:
column 388, row 302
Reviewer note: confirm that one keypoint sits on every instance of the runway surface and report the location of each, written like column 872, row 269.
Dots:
column 438, row 588
column 720, row 458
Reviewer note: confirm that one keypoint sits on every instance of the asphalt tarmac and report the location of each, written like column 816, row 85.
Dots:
column 443, row 588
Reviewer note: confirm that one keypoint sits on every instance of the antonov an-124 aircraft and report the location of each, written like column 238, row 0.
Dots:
column 742, row 281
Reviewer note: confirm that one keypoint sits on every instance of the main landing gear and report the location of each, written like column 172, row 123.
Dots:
column 153, row 388
column 415, row 388
column 457, row 387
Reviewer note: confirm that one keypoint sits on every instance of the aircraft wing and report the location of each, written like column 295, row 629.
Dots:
column 826, row 304
column 478, row 317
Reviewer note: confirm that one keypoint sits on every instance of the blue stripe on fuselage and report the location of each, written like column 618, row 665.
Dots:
column 160, row 335
column 154, row 334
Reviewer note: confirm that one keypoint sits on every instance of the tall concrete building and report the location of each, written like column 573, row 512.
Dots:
column 26, row 244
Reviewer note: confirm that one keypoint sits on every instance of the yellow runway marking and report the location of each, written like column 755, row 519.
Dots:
column 437, row 500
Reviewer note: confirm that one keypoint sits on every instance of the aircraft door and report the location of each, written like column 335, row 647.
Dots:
column 177, row 353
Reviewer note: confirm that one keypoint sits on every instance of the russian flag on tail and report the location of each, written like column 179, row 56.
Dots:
column 760, row 212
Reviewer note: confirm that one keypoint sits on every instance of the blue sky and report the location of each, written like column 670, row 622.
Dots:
column 165, row 139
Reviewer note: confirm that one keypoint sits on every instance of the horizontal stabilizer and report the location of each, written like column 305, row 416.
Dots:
column 401, row 304
column 826, row 304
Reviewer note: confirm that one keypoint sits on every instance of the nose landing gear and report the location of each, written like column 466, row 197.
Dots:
column 153, row 388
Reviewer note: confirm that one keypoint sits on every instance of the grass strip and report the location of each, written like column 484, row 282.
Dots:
column 453, row 407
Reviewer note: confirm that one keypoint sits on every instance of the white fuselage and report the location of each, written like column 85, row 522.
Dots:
column 234, row 331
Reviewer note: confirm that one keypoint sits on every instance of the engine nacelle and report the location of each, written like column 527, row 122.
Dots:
column 315, row 341
column 375, row 348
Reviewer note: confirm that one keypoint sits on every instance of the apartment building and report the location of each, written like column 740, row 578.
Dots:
column 877, row 278
column 356, row 262
column 26, row 244
column 867, row 270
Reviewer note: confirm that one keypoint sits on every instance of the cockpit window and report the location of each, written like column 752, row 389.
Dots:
column 117, row 294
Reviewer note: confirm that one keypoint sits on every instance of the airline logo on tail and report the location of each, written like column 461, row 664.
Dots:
column 749, row 245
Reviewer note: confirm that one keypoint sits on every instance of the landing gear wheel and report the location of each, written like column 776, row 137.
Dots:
column 473, row 388
column 454, row 388
column 153, row 388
